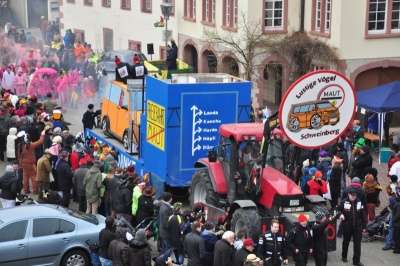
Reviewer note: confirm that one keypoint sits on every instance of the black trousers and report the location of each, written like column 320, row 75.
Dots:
column 348, row 233
column 3, row 146
column 270, row 262
column 396, row 237
column 301, row 258
column 321, row 261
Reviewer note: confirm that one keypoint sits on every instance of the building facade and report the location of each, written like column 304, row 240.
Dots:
column 366, row 34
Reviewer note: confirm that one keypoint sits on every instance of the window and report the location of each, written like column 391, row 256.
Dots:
column 71, row 1
column 321, row 21
column 88, row 2
column 274, row 14
column 106, row 3
column 134, row 45
column 384, row 17
column 79, row 35
column 208, row 12
column 190, row 9
column 318, row 67
column 51, row 226
column 146, row 5
column 230, row 14
column 126, row 4
column 54, row 6
column 14, row 231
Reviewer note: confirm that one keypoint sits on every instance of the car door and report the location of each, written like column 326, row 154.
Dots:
column 49, row 239
column 110, row 62
column 14, row 243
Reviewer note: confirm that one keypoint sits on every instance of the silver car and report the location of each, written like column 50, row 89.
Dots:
column 108, row 59
column 44, row 234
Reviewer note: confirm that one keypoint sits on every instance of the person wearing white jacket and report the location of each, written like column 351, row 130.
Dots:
column 12, row 136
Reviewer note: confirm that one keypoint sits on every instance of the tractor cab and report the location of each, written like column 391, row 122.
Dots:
column 239, row 152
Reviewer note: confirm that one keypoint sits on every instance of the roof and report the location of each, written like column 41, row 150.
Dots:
column 27, row 211
column 242, row 129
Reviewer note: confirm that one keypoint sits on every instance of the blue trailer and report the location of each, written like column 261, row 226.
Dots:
column 180, row 124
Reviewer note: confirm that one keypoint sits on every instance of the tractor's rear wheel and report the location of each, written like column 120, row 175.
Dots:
column 201, row 189
column 248, row 220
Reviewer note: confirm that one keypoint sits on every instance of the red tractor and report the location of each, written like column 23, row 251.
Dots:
column 233, row 181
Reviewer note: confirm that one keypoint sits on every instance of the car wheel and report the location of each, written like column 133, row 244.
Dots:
column 315, row 122
column 125, row 140
column 76, row 257
column 105, row 125
column 294, row 125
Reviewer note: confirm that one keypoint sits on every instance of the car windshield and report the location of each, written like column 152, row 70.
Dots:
column 324, row 105
column 81, row 215
column 129, row 58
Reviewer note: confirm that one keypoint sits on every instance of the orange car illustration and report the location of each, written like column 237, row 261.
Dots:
column 312, row 115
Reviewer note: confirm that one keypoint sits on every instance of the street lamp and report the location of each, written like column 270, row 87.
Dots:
column 166, row 10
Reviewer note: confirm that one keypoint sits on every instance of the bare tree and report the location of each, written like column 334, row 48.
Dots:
column 302, row 50
column 248, row 44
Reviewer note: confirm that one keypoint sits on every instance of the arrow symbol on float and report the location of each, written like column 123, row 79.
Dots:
column 197, row 148
column 198, row 121
column 197, row 139
column 198, row 130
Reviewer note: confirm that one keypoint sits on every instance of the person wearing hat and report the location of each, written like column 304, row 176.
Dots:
column 43, row 27
column 88, row 119
column 139, row 250
column 357, row 133
column 210, row 239
column 174, row 225
column 272, row 246
column 300, row 241
column 251, row 259
column 78, row 177
column 193, row 246
column 324, row 163
column 93, row 182
column 224, row 251
column 76, row 155
column 316, row 186
column 335, row 179
column 241, row 254
column 8, row 185
column 146, row 204
column 65, row 174
column 351, row 211
column 372, row 190
column 10, row 150
column 137, row 192
column 43, row 171
column 363, row 161
column 320, row 236
column 171, row 58
column 306, row 177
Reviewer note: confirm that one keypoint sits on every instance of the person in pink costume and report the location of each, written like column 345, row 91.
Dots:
column 23, row 67
column 20, row 82
column 62, row 86
column 34, row 86
column 43, row 87
column 39, row 65
column 75, row 81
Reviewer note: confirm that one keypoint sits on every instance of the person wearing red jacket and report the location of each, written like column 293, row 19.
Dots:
column 316, row 186
column 394, row 150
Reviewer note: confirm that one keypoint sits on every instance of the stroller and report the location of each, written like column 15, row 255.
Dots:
column 379, row 228
column 147, row 224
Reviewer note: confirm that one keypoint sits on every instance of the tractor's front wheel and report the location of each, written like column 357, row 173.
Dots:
column 201, row 189
column 248, row 220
